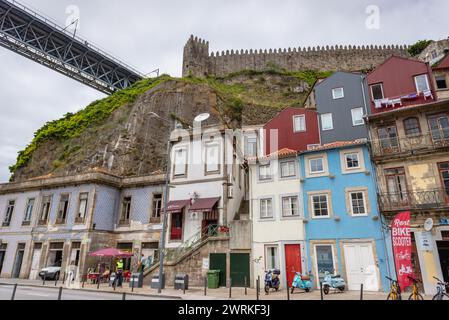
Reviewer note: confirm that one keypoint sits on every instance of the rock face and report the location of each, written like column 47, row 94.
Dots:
column 132, row 142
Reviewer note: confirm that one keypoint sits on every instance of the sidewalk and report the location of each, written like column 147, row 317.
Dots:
column 198, row 293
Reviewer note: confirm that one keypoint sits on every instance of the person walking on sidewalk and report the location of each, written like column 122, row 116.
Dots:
column 118, row 281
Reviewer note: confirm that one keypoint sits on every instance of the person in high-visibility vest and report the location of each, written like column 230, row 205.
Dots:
column 119, row 273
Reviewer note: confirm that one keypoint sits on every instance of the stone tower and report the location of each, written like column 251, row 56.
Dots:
column 196, row 57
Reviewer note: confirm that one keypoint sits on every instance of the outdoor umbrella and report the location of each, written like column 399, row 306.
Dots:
column 111, row 253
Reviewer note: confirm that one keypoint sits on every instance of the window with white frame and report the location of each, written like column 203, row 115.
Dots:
column 327, row 123
column 288, row 169
column 316, row 165
column 9, row 213
column 251, row 147
column 338, row 93
column 352, row 161
column 320, row 205
column 422, row 83
column 357, row 117
column 266, row 208
column 299, row 123
column 45, row 209
column 212, row 158
column 265, row 172
column 377, row 91
column 82, row 206
column 358, row 204
column 126, row 210
column 290, row 206
column 271, row 258
column 180, row 167
column 29, row 210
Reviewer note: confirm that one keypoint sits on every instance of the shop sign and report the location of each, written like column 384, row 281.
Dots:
column 424, row 240
column 402, row 248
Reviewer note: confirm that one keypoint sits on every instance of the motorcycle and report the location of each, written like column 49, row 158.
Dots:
column 272, row 280
column 301, row 282
column 333, row 282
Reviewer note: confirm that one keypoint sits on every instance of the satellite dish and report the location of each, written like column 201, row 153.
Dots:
column 428, row 225
column 202, row 117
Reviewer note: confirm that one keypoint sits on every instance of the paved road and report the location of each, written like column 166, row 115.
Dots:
column 33, row 293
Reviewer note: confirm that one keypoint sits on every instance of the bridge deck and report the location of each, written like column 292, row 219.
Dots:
column 33, row 36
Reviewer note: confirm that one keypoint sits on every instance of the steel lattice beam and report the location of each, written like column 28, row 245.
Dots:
column 25, row 32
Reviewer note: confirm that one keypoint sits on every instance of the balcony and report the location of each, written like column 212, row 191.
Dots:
column 415, row 200
column 393, row 147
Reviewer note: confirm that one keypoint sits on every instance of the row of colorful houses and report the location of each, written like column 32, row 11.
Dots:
column 314, row 190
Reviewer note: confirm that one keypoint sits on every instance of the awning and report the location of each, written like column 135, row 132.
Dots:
column 206, row 204
column 177, row 206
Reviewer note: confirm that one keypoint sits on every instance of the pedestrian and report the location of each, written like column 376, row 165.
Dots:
column 142, row 263
column 119, row 273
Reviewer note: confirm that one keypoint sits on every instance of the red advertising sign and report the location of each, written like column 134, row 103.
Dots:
column 402, row 249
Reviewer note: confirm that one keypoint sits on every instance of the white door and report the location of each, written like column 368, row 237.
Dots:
column 361, row 267
column 34, row 273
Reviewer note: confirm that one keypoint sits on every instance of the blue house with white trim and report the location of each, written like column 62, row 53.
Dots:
column 343, row 225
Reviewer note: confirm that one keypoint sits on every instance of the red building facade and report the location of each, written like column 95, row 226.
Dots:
column 400, row 82
column 293, row 128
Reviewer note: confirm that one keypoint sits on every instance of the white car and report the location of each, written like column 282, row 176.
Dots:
column 50, row 273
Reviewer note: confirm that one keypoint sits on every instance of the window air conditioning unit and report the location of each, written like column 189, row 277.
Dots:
column 231, row 192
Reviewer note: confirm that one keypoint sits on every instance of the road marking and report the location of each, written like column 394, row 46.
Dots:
column 37, row 294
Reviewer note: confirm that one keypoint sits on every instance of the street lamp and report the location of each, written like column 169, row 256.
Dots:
column 198, row 119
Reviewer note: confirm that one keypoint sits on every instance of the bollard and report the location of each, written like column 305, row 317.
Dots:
column 361, row 291
column 63, row 278
column 205, row 286
column 13, row 296
column 257, row 288
column 258, row 279
column 246, row 287
column 98, row 282
column 124, row 296
column 288, row 292
column 60, row 293
column 84, row 279
column 184, row 285
column 321, row 290
column 230, row 288
column 132, row 284
column 45, row 278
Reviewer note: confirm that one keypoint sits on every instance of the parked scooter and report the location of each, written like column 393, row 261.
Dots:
column 301, row 282
column 272, row 280
column 333, row 282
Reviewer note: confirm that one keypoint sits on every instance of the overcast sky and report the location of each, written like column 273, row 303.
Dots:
column 150, row 34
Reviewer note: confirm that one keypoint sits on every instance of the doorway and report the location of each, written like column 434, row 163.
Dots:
column 176, row 226
column 18, row 260
column 240, row 269
column 360, row 267
column 35, row 261
column 292, row 261
column 443, row 251
column 217, row 261
column 3, row 248
column 127, row 247
column 55, row 254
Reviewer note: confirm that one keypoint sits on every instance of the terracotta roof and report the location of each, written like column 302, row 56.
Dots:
column 283, row 153
column 443, row 64
column 336, row 145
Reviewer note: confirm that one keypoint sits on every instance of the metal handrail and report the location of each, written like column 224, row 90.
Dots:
column 426, row 199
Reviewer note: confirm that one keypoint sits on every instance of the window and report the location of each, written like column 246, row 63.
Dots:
column 45, row 210
column 326, row 122
column 288, row 169
column 272, row 260
column 157, row 206
column 63, row 209
column 441, row 82
column 316, row 165
column 265, row 172
column 357, row 117
column 377, row 90
column 251, row 147
column 320, row 206
column 29, row 210
column 212, row 158
column 422, row 83
column 9, row 213
column 439, row 126
column 290, row 206
column 338, row 93
column 126, row 210
column 412, row 127
column 82, row 207
column 358, row 206
column 388, row 138
column 444, row 173
column 299, row 123
column 352, row 161
column 396, row 186
column 266, row 208
column 180, row 162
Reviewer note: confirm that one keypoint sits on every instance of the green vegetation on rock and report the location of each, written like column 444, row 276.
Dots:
column 419, row 47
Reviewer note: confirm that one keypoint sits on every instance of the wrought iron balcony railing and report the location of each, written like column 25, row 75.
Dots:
column 398, row 146
column 415, row 200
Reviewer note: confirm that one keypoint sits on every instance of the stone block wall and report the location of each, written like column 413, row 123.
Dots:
column 199, row 62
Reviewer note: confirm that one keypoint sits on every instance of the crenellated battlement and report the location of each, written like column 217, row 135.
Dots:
column 199, row 62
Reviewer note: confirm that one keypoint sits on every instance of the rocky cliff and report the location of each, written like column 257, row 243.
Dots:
column 120, row 135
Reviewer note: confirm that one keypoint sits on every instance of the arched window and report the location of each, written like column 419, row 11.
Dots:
column 412, row 127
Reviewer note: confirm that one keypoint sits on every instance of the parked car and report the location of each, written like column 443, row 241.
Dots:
column 50, row 273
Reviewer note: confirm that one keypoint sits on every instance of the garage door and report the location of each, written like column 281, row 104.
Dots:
column 240, row 269
column 361, row 267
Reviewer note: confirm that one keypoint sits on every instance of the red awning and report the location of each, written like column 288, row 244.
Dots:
column 206, row 204
column 177, row 205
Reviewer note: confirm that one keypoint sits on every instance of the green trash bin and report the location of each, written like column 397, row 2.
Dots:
column 213, row 279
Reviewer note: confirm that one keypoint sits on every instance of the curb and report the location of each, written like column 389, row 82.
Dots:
column 94, row 290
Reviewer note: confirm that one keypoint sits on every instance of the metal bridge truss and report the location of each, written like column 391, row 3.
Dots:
column 33, row 36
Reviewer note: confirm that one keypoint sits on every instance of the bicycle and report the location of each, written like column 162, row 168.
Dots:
column 395, row 290
column 415, row 290
column 442, row 292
